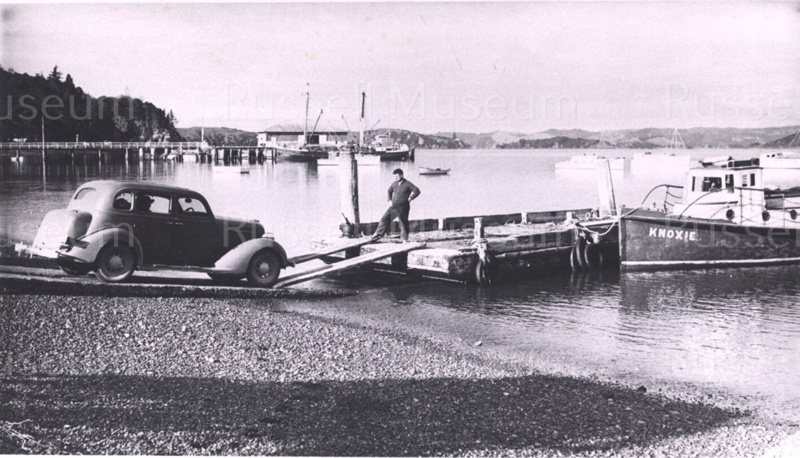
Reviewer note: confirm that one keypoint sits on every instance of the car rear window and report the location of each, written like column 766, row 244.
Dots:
column 123, row 201
column 84, row 198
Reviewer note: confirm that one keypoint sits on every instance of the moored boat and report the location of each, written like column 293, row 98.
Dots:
column 387, row 149
column 305, row 153
column 728, row 215
column 650, row 162
column 433, row 171
column 590, row 162
column 780, row 160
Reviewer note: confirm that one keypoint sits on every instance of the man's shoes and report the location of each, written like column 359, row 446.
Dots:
column 375, row 237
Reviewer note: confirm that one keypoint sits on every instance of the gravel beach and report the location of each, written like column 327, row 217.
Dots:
column 192, row 375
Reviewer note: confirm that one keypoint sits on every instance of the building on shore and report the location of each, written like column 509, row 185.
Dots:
column 291, row 135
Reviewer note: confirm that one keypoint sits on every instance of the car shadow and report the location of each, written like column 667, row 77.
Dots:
column 408, row 417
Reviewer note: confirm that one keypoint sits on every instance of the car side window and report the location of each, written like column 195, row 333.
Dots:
column 151, row 203
column 191, row 207
column 123, row 201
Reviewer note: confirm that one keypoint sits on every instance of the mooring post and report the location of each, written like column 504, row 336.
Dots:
column 478, row 232
column 348, row 184
column 605, row 188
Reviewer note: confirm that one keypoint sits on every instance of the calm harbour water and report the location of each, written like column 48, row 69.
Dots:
column 735, row 330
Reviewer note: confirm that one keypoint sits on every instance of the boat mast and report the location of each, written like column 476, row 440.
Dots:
column 361, row 121
column 305, row 126
column 676, row 142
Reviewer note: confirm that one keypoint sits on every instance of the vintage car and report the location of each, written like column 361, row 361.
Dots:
column 114, row 228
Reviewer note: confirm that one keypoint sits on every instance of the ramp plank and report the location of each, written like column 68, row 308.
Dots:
column 330, row 250
column 347, row 264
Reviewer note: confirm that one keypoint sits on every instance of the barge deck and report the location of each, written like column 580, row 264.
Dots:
column 490, row 248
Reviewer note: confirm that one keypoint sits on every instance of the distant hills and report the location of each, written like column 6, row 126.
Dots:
column 219, row 136
column 697, row 137
column 651, row 138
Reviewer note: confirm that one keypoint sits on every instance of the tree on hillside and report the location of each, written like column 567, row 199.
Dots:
column 55, row 75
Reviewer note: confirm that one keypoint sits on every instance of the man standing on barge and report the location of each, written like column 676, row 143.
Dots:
column 401, row 193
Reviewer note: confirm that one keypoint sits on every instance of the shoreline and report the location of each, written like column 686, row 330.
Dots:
column 241, row 376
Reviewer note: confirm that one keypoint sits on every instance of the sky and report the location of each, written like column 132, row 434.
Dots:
column 425, row 66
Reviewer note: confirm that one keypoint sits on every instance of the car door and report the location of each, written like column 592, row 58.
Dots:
column 152, row 224
column 195, row 234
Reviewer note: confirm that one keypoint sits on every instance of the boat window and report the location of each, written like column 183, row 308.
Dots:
column 694, row 180
column 752, row 179
column 729, row 181
column 711, row 184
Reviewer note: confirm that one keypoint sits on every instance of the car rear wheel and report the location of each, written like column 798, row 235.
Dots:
column 264, row 268
column 115, row 264
column 75, row 272
column 74, row 269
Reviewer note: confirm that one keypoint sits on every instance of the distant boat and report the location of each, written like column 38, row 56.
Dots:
column 780, row 160
column 388, row 150
column 590, row 162
column 650, row 162
column 433, row 171
column 242, row 169
column 305, row 153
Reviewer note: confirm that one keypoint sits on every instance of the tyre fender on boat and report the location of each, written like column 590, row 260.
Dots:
column 592, row 253
column 576, row 261
column 484, row 269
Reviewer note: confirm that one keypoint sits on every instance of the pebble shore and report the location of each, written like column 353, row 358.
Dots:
column 156, row 375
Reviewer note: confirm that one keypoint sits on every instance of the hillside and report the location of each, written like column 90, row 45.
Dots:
column 218, row 136
column 70, row 113
column 650, row 138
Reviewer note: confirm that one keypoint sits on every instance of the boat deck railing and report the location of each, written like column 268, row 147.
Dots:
column 670, row 197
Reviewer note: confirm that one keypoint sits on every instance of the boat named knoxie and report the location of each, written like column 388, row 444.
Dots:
column 727, row 213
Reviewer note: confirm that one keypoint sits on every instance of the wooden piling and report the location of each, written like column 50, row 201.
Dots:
column 478, row 232
column 348, row 183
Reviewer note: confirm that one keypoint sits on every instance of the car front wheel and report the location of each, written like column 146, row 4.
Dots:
column 264, row 268
column 115, row 264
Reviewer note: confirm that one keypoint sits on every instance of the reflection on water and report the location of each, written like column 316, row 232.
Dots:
column 738, row 329
column 733, row 329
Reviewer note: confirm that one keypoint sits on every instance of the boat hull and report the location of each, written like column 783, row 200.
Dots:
column 655, row 241
column 300, row 155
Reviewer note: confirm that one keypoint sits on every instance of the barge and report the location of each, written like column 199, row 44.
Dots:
column 490, row 248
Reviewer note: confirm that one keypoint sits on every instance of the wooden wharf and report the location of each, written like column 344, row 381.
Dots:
column 200, row 152
column 486, row 249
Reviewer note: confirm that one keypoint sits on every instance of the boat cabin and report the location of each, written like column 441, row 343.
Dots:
column 734, row 190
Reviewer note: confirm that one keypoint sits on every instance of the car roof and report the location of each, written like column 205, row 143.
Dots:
column 112, row 186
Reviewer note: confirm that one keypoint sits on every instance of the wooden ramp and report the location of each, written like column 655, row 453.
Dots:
column 356, row 243
column 347, row 264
